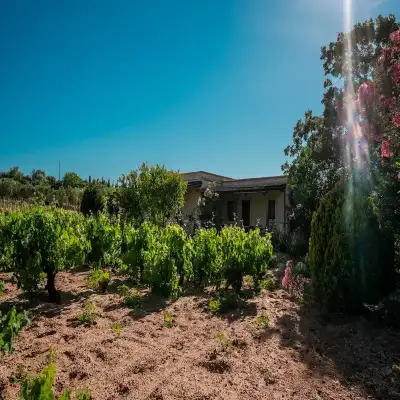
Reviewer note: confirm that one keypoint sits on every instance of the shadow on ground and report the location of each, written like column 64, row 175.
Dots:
column 356, row 350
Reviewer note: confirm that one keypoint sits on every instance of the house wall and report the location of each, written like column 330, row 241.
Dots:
column 191, row 198
column 258, row 207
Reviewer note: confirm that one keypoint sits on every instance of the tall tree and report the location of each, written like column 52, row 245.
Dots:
column 152, row 193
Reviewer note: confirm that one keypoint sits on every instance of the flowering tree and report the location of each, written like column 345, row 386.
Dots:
column 359, row 131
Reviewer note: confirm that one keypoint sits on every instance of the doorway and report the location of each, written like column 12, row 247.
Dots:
column 246, row 212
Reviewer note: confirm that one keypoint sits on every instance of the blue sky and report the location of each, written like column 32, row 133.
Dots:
column 214, row 85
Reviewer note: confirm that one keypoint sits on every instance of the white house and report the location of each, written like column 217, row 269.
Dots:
column 254, row 201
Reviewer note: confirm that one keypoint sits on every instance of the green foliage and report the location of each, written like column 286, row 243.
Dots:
column 223, row 301
column 104, row 235
column 10, row 325
column 41, row 386
column 258, row 253
column 301, row 269
column 139, row 241
column 123, row 290
column 350, row 257
column 98, row 279
column 132, row 299
column 160, row 271
column 180, row 248
column 169, row 320
column 152, row 194
column 268, row 284
column 43, row 241
column 1, row 287
column 207, row 258
column 233, row 242
column 262, row 321
column 93, row 199
column 224, row 341
column 160, row 258
column 117, row 328
column 88, row 315
column 72, row 179
column 294, row 243
column 244, row 254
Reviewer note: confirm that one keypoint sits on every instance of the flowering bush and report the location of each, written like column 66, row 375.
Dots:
column 293, row 283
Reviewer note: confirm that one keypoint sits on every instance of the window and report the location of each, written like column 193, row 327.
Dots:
column 271, row 209
column 231, row 210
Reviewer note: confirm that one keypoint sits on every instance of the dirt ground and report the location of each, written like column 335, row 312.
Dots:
column 299, row 356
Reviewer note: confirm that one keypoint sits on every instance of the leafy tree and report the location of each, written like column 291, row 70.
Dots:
column 93, row 199
column 72, row 179
column 323, row 146
column 43, row 241
column 152, row 193
column 38, row 176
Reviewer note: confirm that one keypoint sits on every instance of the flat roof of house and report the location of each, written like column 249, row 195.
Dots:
column 229, row 184
column 253, row 183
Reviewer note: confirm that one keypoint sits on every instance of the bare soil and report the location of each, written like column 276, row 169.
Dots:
column 299, row 356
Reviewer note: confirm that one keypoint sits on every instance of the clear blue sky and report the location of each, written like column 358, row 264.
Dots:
column 213, row 84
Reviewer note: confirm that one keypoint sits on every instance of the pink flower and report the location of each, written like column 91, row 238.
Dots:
column 288, row 275
column 395, row 37
column 396, row 119
column 385, row 150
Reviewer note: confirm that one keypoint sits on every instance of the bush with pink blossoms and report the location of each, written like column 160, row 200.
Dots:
column 294, row 283
column 395, row 37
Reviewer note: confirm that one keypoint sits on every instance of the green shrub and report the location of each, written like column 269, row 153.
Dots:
column 258, row 253
column 207, row 258
column 117, row 328
column 133, row 298
column 88, row 315
column 123, row 290
column 160, row 271
column 98, row 279
column 10, row 325
column 41, row 387
column 294, row 243
column 268, row 284
column 180, row 250
column 93, row 199
column 262, row 321
column 169, row 320
column 138, row 242
column 223, row 301
column 301, row 269
column 233, row 245
column 43, row 242
column 104, row 235
column 1, row 287
column 350, row 257
column 224, row 341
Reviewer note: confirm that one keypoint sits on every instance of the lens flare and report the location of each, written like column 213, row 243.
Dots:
column 355, row 138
